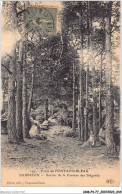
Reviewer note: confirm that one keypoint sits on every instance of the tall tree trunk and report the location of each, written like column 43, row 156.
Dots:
column 11, row 124
column 25, row 111
column 19, row 95
column 81, row 108
column 79, row 112
column 86, row 107
column 94, row 106
column 112, row 106
column 94, row 103
column 93, row 129
column 74, row 97
column 46, row 109
column 87, row 75
column 100, row 87
column 80, row 99
column 31, row 93
column 108, row 74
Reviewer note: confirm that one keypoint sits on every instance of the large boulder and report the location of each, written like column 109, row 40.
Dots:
column 38, row 113
column 39, row 118
column 63, row 116
column 34, row 131
column 45, row 125
column 52, row 121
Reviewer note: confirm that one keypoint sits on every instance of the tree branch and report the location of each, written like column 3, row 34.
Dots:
column 9, row 55
column 7, row 69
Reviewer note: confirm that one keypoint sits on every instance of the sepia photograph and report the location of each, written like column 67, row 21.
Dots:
column 60, row 94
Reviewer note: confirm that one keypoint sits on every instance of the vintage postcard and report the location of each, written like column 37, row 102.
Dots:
column 60, row 88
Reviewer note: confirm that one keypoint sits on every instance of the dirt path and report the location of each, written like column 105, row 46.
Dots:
column 54, row 152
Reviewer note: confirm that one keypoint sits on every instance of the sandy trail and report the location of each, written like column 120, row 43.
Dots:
column 57, row 151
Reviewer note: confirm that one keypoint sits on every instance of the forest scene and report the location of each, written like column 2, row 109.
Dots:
column 60, row 88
